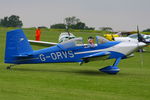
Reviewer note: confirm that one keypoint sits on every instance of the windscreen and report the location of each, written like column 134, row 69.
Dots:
column 101, row 40
column 72, row 43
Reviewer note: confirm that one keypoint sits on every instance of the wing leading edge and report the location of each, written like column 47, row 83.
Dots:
column 43, row 43
column 96, row 56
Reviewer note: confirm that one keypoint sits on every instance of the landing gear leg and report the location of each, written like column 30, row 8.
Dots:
column 112, row 69
column 9, row 67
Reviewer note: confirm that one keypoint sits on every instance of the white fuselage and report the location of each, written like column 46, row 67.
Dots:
column 127, row 48
column 130, row 38
column 125, row 39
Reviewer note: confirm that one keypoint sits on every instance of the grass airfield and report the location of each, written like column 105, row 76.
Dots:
column 70, row 81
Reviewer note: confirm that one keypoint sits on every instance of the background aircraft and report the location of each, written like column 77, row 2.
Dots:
column 65, row 36
column 135, row 38
column 132, row 38
column 19, row 51
column 129, row 38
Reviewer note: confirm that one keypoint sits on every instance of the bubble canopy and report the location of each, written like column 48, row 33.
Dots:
column 79, row 42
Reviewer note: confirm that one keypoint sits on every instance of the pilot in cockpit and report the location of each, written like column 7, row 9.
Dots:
column 91, row 41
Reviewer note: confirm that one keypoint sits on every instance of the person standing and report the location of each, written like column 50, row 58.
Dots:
column 37, row 34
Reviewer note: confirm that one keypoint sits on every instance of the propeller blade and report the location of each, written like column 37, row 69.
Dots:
column 138, row 30
column 67, row 29
column 138, row 34
column 140, row 37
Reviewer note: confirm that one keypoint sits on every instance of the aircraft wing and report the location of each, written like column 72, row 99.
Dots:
column 43, row 43
column 97, row 56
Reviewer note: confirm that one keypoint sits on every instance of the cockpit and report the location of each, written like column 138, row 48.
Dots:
column 79, row 42
column 71, row 43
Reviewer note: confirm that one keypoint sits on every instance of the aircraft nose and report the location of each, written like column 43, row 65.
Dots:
column 141, row 44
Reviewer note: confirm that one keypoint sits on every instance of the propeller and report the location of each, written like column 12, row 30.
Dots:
column 67, row 29
column 112, row 37
column 140, row 37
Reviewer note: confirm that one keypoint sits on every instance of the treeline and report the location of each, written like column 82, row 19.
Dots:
column 146, row 30
column 79, row 25
column 12, row 21
column 69, row 23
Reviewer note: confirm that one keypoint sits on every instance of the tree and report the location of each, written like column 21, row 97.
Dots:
column 79, row 25
column 105, row 28
column 89, row 28
column 75, row 23
column 71, row 21
column 146, row 30
column 58, row 26
column 12, row 21
column 4, row 22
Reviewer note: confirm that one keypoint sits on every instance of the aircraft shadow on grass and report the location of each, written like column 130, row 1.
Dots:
column 82, row 72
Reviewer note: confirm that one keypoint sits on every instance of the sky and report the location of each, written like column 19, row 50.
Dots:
column 121, row 15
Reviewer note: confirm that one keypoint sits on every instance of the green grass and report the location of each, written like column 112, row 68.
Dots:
column 69, row 81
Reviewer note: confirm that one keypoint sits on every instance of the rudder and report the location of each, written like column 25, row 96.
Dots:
column 16, row 44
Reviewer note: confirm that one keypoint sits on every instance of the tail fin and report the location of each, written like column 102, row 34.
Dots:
column 17, row 45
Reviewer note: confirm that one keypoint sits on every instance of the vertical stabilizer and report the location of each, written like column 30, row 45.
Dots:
column 16, row 45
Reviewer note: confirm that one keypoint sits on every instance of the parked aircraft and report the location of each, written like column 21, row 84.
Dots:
column 19, row 51
column 65, row 36
column 132, row 38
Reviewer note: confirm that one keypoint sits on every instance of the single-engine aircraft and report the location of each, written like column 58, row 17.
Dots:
column 135, row 38
column 19, row 51
column 132, row 38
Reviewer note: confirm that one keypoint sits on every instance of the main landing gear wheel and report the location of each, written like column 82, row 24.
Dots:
column 8, row 67
column 111, row 69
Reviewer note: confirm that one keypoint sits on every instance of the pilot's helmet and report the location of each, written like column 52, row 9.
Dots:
column 90, row 37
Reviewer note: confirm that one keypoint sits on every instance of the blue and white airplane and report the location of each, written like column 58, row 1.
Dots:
column 19, row 51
